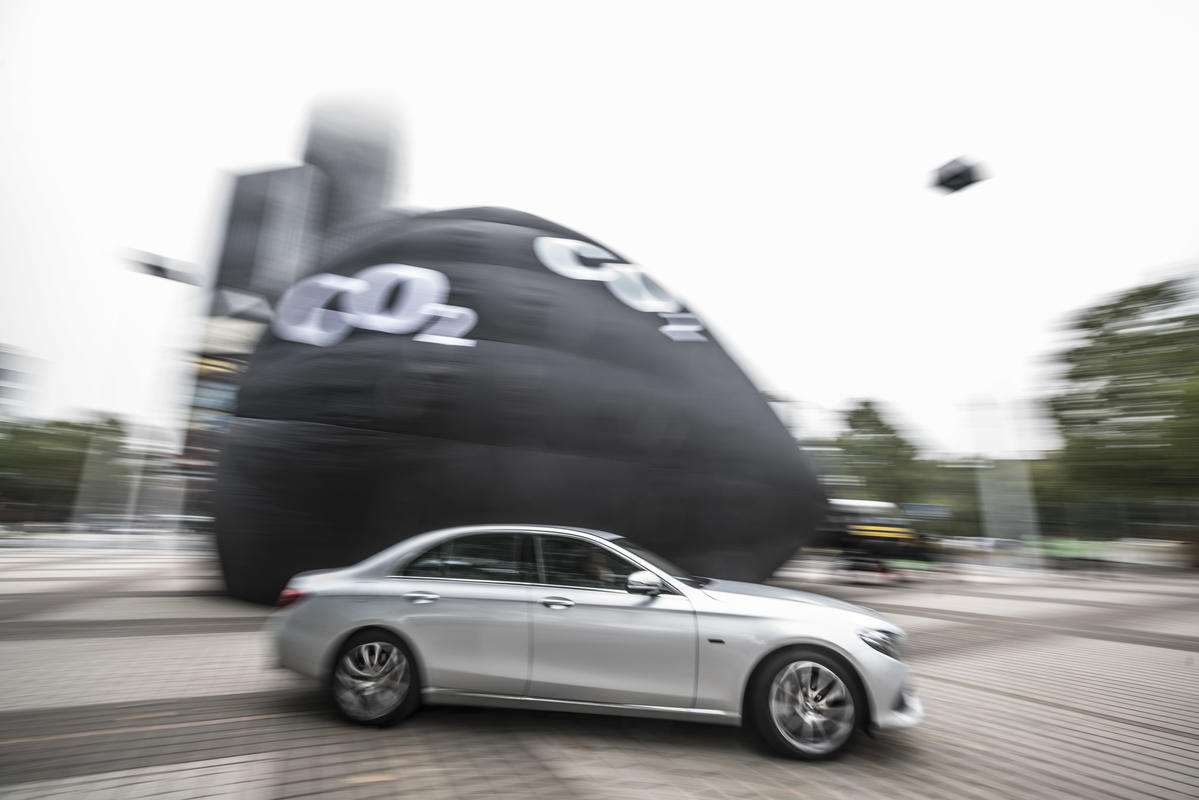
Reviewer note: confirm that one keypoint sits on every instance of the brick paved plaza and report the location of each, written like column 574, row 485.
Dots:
column 126, row 674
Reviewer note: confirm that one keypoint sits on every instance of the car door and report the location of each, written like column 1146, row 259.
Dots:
column 594, row 641
column 465, row 605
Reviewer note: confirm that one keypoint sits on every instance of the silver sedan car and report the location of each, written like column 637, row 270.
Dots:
column 529, row 616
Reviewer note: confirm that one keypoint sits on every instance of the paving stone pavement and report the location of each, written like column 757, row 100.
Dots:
column 126, row 675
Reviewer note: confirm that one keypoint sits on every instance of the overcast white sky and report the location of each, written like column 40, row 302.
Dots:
column 769, row 162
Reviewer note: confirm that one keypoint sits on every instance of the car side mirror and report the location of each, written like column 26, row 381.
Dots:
column 644, row 582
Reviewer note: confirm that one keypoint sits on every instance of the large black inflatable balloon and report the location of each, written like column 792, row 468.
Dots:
column 487, row 366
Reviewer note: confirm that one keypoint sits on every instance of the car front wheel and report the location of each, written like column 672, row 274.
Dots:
column 805, row 704
column 374, row 681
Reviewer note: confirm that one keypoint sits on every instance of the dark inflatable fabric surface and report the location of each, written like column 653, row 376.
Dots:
column 573, row 409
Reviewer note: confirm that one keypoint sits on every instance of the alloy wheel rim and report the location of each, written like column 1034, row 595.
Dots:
column 371, row 680
column 811, row 707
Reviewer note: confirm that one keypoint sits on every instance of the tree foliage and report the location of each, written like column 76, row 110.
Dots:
column 1129, row 407
column 41, row 464
column 878, row 454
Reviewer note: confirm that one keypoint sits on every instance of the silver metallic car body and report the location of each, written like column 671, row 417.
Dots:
column 687, row 653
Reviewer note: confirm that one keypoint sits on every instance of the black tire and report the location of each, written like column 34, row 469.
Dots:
column 761, row 722
column 369, row 702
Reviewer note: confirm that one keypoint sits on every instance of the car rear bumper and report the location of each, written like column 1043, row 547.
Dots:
column 296, row 647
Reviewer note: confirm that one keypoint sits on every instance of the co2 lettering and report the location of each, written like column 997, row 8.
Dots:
column 304, row 313
column 627, row 282
column 323, row 309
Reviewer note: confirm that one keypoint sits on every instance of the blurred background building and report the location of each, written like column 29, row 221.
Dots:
column 17, row 373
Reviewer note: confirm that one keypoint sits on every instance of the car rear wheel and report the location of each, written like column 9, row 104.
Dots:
column 374, row 679
column 805, row 704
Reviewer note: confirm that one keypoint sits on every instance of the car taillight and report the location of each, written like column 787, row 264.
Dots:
column 289, row 597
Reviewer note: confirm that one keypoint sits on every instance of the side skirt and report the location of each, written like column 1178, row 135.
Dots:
column 451, row 697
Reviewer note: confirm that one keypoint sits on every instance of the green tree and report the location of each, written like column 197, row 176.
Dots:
column 1129, row 407
column 878, row 454
column 41, row 464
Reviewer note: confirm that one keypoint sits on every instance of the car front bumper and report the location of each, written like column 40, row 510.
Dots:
column 906, row 712
column 888, row 683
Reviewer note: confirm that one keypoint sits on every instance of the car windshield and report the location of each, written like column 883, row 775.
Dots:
column 661, row 563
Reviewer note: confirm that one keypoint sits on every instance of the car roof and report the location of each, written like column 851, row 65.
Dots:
column 602, row 534
column 529, row 528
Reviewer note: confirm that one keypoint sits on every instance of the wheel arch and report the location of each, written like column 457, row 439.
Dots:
column 340, row 642
column 832, row 652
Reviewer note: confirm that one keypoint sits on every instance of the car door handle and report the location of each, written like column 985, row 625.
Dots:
column 422, row 597
column 556, row 602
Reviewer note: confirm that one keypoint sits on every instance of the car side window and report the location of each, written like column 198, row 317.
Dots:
column 480, row 557
column 428, row 564
column 567, row 561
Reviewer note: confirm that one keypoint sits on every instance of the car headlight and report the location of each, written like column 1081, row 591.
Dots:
column 888, row 643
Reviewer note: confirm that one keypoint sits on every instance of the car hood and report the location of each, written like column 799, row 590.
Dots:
column 740, row 591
